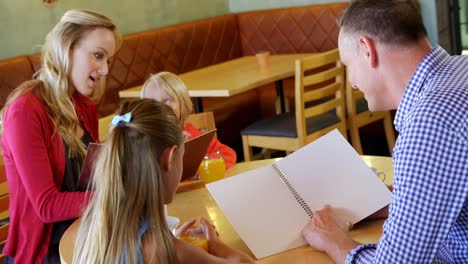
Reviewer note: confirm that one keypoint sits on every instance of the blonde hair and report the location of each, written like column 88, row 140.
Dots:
column 129, row 187
column 53, row 87
column 174, row 87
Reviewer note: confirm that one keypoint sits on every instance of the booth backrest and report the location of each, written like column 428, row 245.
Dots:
column 304, row 29
column 192, row 45
column 178, row 49
column 13, row 71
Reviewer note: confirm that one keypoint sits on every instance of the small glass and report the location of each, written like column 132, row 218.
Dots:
column 172, row 223
column 198, row 240
column 212, row 168
column 262, row 58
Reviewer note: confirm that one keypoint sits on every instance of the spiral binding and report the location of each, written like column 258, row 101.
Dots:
column 293, row 191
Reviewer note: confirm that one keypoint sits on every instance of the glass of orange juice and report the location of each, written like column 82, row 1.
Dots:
column 212, row 168
column 198, row 241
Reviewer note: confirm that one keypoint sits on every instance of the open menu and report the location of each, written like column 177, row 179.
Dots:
column 269, row 206
column 195, row 150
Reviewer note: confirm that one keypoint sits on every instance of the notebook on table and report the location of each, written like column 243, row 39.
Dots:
column 195, row 150
column 269, row 206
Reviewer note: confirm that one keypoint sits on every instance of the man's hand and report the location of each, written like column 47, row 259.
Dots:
column 326, row 232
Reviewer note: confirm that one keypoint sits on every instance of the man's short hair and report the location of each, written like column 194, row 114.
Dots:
column 389, row 21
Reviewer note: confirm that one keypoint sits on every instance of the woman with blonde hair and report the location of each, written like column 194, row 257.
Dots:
column 125, row 220
column 166, row 87
column 47, row 124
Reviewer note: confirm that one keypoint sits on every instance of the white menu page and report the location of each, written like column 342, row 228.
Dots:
column 266, row 214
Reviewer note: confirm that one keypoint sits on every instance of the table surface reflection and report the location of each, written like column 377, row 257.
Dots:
column 200, row 203
column 187, row 205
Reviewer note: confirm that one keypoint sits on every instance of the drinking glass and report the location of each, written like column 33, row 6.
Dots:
column 196, row 240
column 212, row 168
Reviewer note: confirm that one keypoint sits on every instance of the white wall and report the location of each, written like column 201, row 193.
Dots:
column 25, row 23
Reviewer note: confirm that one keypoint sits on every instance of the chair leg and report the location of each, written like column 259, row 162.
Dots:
column 247, row 149
column 389, row 133
column 287, row 106
column 265, row 153
column 355, row 139
column 343, row 130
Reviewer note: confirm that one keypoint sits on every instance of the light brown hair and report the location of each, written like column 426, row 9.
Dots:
column 174, row 87
column 129, row 186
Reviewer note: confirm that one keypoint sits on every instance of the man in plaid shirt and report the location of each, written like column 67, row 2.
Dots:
column 384, row 45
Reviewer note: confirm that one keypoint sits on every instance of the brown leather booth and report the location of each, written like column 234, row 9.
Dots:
column 192, row 45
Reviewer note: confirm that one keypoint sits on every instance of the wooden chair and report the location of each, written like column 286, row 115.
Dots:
column 104, row 127
column 358, row 115
column 203, row 121
column 4, row 214
column 319, row 108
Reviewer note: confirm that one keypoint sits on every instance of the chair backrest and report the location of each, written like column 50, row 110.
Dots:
column 359, row 115
column 353, row 96
column 104, row 127
column 319, row 82
column 203, row 121
column 4, row 203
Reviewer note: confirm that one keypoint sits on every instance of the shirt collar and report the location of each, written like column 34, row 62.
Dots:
column 413, row 89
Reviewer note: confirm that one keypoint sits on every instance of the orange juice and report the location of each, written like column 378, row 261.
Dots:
column 211, row 170
column 196, row 241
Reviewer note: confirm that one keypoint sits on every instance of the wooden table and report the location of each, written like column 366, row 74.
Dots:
column 233, row 77
column 199, row 202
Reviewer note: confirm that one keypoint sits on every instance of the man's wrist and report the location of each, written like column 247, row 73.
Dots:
column 339, row 251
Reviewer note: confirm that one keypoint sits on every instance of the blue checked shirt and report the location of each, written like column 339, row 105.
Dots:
column 428, row 215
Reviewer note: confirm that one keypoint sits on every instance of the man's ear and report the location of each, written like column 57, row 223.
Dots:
column 367, row 49
column 167, row 157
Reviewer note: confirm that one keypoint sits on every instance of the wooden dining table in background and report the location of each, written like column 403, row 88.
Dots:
column 233, row 77
column 187, row 205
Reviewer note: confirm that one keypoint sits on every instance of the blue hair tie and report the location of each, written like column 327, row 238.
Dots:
column 119, row 120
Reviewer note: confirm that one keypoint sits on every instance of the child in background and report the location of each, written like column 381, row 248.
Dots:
column 166, row 87
column 125, row 220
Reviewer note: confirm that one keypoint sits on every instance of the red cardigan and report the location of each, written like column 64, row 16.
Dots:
column 34, row 160
column 228, row 154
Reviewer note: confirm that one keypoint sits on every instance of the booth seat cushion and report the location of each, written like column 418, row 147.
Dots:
column 361, row 105
column 302, row 29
